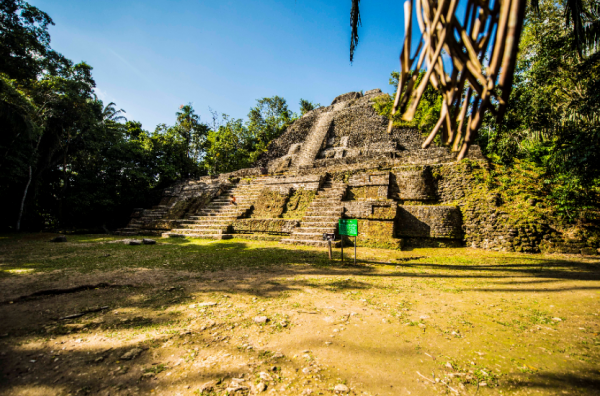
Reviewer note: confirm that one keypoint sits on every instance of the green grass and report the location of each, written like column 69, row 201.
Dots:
column 503, row 304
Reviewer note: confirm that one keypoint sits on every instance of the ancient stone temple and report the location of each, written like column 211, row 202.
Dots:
column 339, row 162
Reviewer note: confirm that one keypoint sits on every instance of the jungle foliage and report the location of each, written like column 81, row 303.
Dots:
column 69, row 160
column 552, row 119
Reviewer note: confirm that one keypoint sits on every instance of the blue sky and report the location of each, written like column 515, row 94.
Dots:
column 151, row 56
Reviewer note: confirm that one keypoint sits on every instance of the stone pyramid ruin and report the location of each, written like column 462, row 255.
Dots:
column 339, row 162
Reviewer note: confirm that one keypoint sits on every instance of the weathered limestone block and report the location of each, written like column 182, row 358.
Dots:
column 307, row 182
column 370, row 179
column 368, row 186
column 428, row 221
column 363, row 193
column 414, row 185
column 373, row 210
column 267, row 226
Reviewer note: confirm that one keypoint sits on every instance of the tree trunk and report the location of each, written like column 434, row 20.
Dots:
column 23, row 200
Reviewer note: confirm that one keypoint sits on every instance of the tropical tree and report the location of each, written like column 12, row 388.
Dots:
column 111, row 114
column 229, row 147
column 306, row 106
column 267, row 121
column 191, row 130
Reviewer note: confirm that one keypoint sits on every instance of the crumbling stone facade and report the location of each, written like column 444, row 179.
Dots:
column 339, row 162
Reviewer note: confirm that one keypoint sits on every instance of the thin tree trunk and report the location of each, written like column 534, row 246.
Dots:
column 23, row 200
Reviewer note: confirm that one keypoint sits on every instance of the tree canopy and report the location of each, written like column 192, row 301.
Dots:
column 69, row 160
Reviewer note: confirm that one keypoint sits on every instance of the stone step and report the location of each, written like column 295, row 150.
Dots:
column 151, row 214
column 214, row 215
column 321, row 197
column 198, row 231
column 237, row 198
column 329, row 213
column 206, row 220
column 325, row 201
column 307, row 236
column 326, row 189
column 200, row 225
column 329, row 206
column 227, row 210
column 319, row 223
column 312, row 213
column 219, row 204
column 321, row 217
column 203, row 236
column 314, row 230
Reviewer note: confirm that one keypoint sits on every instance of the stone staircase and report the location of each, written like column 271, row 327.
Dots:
column 215, row 220
column 133, row 228
column 321, row 216
column 314, row 141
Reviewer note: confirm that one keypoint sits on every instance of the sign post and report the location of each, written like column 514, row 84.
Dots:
column 348, row 227
column 329, row 238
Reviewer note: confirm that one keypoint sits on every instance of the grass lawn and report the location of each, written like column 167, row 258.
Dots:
column 201, row 317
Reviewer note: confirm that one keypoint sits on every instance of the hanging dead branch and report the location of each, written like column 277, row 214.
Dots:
column 471, row 62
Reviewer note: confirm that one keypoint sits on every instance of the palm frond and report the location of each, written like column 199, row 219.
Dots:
column 354, row 24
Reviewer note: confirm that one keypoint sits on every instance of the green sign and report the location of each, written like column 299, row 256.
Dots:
column 349, row 227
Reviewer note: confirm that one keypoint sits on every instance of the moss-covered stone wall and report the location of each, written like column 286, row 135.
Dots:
column 375, row 233
column 505, row 208
column 270, row 204
column 362, row 193
column 266, row 226
column 297, row 203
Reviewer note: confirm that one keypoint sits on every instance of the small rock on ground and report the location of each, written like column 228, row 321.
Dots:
column 261, row 319
column 261, row 387
column 131, row 354
column 60, row 238
column 147, row 241
column 341, row 388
